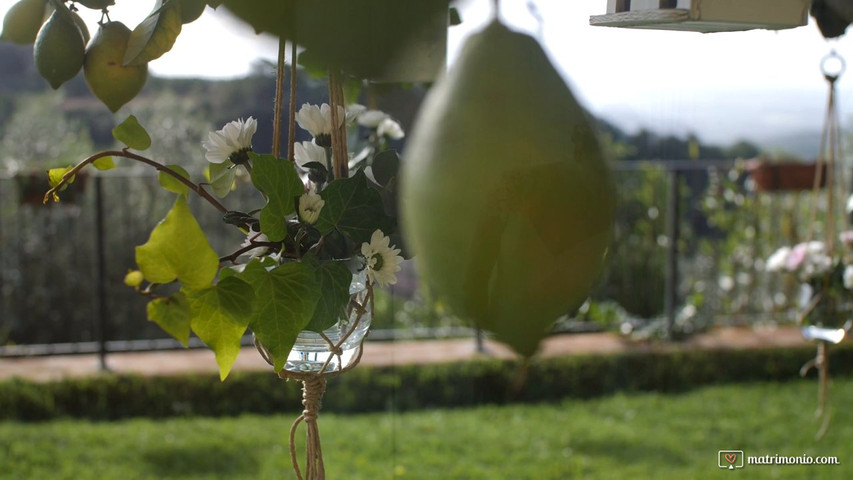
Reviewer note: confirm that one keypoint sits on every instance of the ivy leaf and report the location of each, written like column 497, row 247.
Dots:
column 104, row 163
column 171, row 183
column 285, row 298
column 178, row 249
column 277, row 179
column 155, row 35
column 385, row 166
column 173, row 315
column 54, row 176
column 221, row 177
column 352, row 207
column 335, row 279
column 132, row 134
column 220, row 316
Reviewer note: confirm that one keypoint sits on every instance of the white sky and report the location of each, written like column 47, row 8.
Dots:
column 722, row 85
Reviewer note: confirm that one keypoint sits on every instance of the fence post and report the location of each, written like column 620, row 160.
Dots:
column 672, row 233
column 100, row 275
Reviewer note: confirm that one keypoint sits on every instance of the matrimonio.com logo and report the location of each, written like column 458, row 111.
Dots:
column 730, row 459
column 735, row 459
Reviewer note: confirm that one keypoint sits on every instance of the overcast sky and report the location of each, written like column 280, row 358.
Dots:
column 722, row 86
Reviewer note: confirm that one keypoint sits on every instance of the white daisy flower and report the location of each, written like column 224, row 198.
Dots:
column 371, row 118
column 307, row 152
column 252, row 238
column 848, row 277
column 354, row 111
column 231, row 143
column 383, row 261
column 318, row 121
column 391, row 129
column 310, row 205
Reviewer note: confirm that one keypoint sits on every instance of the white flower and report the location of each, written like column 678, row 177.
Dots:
column 383, row 260
column 846, row 237
column 232, row 142
column 848, row 277
column 318, row 120
column 371, row 118
column 850, row 204
column 779, row 260
column 252, row 238
column 390, row 128
column 307, row 152
column 380, row 121
column 354, row 111
column 310, row 205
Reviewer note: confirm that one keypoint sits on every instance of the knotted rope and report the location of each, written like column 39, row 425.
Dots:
column 828, row 159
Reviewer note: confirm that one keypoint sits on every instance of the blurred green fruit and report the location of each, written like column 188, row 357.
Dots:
column 23, row 21
column 110, row 81
column 59, row 49
column 507, row 200
column 191, row 10
column 84, row 30
column 96, row 4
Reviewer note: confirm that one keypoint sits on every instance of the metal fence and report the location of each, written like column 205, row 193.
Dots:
column 688, row 248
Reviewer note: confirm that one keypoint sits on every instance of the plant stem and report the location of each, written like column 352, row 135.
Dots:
column 124, row 153
column 291, row 126
column 279, row 87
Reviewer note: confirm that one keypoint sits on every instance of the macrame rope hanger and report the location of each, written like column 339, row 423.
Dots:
column 314, row 383
column 829, row 163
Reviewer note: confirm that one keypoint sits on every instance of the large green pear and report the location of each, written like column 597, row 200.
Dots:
column 507, row 200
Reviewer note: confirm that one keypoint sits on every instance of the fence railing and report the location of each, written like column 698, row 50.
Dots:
column 688, row 246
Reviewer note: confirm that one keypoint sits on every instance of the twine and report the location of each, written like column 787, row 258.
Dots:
column 828, row 156
column 313, row 389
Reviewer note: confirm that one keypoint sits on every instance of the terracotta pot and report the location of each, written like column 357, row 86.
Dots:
column 786, row 176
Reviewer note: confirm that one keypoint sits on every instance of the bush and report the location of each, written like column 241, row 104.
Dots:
column 365, row 389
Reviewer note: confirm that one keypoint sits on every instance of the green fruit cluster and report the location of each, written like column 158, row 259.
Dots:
column 63, row 47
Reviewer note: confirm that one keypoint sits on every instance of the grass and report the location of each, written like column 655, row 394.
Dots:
column 672, row 436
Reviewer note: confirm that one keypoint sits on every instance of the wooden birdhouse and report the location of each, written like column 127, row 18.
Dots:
column 704, row 15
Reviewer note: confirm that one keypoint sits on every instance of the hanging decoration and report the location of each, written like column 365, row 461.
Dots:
column 508, row 203
column 825, row 265
column 704, row 15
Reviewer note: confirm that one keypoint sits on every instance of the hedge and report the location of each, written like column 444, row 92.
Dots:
column 365, row 389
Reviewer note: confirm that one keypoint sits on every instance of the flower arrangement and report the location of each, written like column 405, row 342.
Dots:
column 319, row 233
column 826, row 279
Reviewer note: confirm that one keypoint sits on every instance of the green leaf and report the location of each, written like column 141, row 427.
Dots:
column 178, row 249
column 155, row 35
column 220, row 316
column 352, row 207
column 221, row 177
column 54, row 176
column 335, row 279
column 285, row 299
column 278, row 180
column 104, row 163
column 385, row 166
column 173, row 315
column 171, row 183
column 132, row 134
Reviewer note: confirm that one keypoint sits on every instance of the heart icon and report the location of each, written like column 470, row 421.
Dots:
column 731, row 457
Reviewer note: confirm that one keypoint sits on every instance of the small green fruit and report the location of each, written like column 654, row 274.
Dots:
column 23, row 20
column 506, row 199
column 59, row 49
column 113, row 83
column 84, row 30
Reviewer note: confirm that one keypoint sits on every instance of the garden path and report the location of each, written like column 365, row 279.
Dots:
column 390, row 353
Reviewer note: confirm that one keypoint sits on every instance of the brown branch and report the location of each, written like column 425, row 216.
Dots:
column 279, row 86
column 291, row 126
column 124, row 153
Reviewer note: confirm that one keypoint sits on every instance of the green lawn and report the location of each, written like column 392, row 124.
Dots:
column 674, row 436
